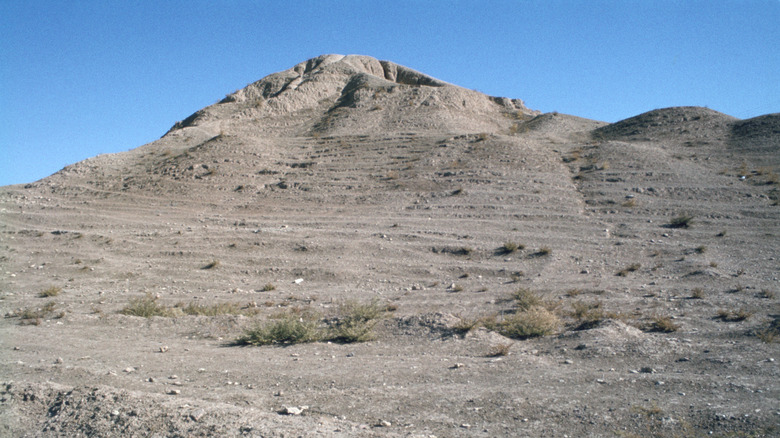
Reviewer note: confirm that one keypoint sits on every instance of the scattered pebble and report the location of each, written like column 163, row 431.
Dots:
column 173, row 392
column 129, row 369
column 294, row 410
column 568, row 361
column 458, row 365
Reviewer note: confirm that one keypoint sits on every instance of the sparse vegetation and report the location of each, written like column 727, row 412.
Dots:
column 510, row 247
column 34, row 316
column 682, row 221
column 726, row 315
column 534, row 322
column 52, row 291
column 208, row 309
column 630, row 268
column 525, row 299
column 587, row 315
column 285, row 331
column 499, row 350
column 146, row 307
column 542, row 252
column 269, row 287
column 357, row 322
column 211, row 265
column 771, row 332
column 697, row 293
column 662, row 324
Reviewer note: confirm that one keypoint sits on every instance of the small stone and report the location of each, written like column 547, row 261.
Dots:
column 59, row 360
column 173, row 377
column 659, row 383
column 197, row 415
column 298, row 281
column 568, row 361
column 465, row 426
column 278, row 393
column 458, row 365
column 384, row 423
column 164, row 349
column 129, row 369
column 173, row 392
column 151, row 379
column 115, row 413
column 600, row 381
column 647, row 370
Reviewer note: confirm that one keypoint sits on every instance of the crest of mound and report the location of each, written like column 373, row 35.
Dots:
column 557, row 123
column 679, row 123
column 762, row 126
column 354, row 94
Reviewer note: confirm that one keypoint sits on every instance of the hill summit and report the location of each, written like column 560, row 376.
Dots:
column 334, row 94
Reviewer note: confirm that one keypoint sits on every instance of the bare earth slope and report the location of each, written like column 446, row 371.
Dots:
column 651, row 246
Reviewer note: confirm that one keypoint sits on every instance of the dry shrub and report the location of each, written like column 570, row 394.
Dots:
column 526, row 298
column 630, row 268
column 534, row 322
column 499, row 350
column 146, row 307
column 662, row 324
column 682, row 221
column 50, row 292
column 733, row 315
column 211, row 265
column 587, row 315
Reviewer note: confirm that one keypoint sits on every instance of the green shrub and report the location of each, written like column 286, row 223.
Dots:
column 286, row 331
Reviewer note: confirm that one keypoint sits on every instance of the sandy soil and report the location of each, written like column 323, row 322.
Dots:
column 652, row 242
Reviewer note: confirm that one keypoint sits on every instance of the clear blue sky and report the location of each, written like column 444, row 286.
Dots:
column 82, row 78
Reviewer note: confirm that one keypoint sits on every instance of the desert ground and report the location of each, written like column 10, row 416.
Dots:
column 353, row 248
